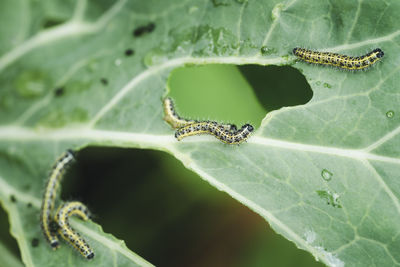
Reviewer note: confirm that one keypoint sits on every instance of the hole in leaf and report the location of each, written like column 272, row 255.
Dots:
column 7, row 240
column 170, row 216
column 277, row 87
column 244, row 94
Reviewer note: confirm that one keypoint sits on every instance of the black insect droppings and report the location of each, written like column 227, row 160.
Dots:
column 29, row 205
column 129, row 52
column 35, row 242
column 13, row 199
column 59, row 91
column 52, row 22
column 104, row 81
column 139, row 31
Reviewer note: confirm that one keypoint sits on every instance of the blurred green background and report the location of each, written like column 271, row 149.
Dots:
column 166, row 213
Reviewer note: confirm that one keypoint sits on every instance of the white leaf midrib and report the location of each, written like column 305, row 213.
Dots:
column 23, row 134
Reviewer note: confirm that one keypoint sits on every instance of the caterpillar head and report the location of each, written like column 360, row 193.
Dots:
column 379, row 53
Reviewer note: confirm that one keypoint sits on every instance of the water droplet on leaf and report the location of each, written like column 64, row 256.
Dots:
column 326, row 175
column 327, row 85
column 267, row 51
column 390, row 114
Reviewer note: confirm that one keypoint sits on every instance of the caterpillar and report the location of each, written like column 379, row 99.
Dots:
column 49, row 228
column 213, row 128
column 338, row 60
column 67, row 232
column 173, row 119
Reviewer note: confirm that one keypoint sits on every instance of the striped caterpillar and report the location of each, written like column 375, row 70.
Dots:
column 50, row 226
column 67, row 232
column 49, row 197
column 173, row 119
column 213, row 128
column 227, row 133
column 338, row 60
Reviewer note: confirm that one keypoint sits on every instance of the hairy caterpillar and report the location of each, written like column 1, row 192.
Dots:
column 337, row 60
column 213, row 128
column 173, row 119
column 49, row 197
column 67, row 232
